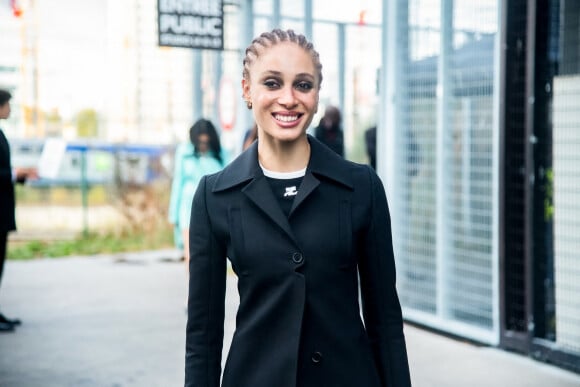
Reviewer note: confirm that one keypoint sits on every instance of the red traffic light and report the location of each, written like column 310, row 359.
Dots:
column 16, row 8
column 362, row 17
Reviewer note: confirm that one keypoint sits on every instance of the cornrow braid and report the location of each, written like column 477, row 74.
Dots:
column 269, row 39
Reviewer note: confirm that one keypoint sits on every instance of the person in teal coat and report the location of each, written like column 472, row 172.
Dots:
column 200, row 156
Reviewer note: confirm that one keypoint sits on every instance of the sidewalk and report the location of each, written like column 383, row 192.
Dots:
column 120, row 321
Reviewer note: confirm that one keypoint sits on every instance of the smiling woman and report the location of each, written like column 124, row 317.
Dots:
column 298, row 224
column 284, row 100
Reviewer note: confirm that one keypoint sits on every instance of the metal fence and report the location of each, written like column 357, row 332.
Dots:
column 95, row 186
column 484, row 195
column 445, row 166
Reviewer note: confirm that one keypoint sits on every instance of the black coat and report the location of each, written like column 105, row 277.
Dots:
column 298, row 322
column 7, row 221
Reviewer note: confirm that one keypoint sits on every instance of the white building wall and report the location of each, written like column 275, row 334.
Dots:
column 566, row 153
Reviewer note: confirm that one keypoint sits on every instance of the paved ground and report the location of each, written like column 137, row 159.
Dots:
column 116, row 321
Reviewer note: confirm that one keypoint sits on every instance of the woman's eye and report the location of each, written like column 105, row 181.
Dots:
column 304, row 86
column 271, row 84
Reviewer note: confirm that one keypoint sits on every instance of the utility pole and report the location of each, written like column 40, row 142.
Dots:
column 29, row 67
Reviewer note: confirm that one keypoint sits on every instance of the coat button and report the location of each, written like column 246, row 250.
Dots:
column 316, row 357
column 297, row 258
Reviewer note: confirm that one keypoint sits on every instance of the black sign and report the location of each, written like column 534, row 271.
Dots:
column 191, row 23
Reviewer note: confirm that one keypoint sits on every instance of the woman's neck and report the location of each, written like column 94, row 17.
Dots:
column 284, row 156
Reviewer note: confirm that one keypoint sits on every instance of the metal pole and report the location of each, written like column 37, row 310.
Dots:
column 444, row 144
column 276, row 14
column 34, row 55
column 217, row 85
column 529, row 145
column 393, row 99
column 247, row 22
column 84, row 191
column 246, row 36
column 196, row 85
column 341, row 66
column 308, row 19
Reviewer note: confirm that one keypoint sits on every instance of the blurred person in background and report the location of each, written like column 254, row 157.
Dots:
column 304, row 229
column 329, row 130
column 8, row 176
column 199, row 156
column 371, row 145
column 250, row 136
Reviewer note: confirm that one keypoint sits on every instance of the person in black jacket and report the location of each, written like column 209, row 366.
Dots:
column 329, row 130
column 371, row 145
column 299, row 224
column 7, row 178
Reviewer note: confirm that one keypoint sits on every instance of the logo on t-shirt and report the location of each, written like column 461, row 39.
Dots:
column 290, row 191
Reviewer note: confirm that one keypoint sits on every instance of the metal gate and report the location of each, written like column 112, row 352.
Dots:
column 539, row 226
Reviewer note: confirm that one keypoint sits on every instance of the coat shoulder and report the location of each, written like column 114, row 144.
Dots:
column 327, row 164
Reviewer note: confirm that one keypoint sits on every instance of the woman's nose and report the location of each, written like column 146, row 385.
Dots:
column 287, row 97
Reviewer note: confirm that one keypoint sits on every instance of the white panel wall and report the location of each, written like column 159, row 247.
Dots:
column 566, row 153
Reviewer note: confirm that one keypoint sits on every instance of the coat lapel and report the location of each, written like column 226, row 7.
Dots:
column 324, row 163
column 308, row 185
column 246, row 170
column 259, row 192
column 328, row 165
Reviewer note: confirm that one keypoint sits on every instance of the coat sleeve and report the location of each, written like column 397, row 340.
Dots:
column 206, row 303
column 5, row 177
column 380, row 302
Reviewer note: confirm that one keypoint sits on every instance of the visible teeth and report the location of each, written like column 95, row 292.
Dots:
column 286, row 118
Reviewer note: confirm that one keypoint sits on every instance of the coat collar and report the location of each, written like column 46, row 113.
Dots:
column 323, row 163
column 245, row 169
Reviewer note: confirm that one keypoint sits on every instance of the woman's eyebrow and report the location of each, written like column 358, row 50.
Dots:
column 279, row 74
column 305, row 75
column 271, row 73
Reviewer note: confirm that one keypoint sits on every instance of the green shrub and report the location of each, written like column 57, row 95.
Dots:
column 92, row 244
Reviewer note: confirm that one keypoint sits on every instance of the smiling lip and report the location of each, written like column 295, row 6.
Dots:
column 287, row 120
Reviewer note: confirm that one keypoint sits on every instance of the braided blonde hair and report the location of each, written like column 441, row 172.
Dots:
column 269, row 39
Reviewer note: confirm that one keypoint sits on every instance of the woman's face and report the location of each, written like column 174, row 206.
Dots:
column 283, row 89
column 5, row 110
column 203, row 143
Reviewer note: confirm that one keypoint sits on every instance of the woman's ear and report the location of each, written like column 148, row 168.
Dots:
column 246, row 90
